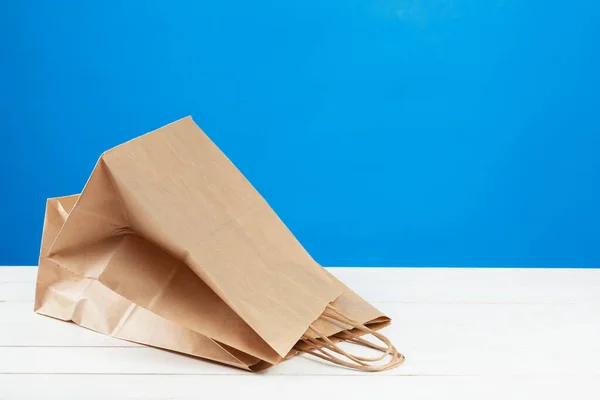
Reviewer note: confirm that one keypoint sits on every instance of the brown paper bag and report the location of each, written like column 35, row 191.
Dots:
column 87, row 302
column 169, row 245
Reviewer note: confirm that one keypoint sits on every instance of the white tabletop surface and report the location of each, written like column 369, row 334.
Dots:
column 467, row 334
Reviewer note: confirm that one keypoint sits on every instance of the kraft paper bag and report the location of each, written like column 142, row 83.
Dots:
column 64, row 295
column 168, row 233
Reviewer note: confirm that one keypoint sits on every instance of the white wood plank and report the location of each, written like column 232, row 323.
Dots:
column 438, row 339
column 467, row 334
column 104, row 360
column 17, row 274
column 549, row 362
column 17, row 283
column 17, row 291
column 420, row 285
column 91, row 387
column 472, row 285
column 499, row 326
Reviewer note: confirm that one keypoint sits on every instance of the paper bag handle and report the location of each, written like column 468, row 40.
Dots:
column 318, row 347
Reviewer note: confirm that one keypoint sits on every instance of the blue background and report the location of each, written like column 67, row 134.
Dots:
column 384, row 133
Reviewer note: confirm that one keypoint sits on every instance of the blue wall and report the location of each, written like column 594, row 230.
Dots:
column 386, row 133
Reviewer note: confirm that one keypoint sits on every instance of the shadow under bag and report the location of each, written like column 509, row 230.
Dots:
column 169, row 245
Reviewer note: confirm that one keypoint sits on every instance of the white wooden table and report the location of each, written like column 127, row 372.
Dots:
column 466, row 333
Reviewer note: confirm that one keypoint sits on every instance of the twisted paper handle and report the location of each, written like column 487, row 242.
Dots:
column 319, row 347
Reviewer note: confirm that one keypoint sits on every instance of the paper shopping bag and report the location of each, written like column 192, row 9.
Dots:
column 64, row 295
column 168, row 226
